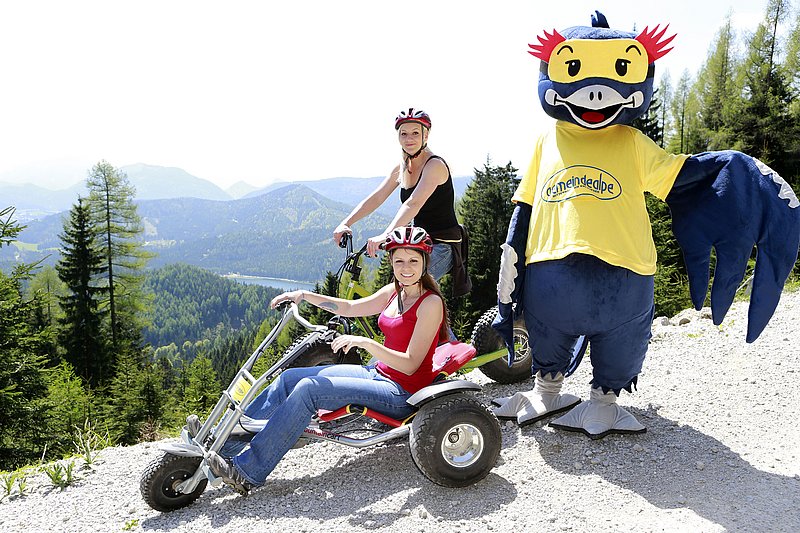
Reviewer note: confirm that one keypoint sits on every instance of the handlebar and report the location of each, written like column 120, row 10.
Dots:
column 291, row 307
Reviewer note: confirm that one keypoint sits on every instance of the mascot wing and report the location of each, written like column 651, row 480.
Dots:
column 510, row 288
column 730, row 202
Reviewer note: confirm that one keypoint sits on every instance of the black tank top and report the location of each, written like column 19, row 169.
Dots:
column 438, row 212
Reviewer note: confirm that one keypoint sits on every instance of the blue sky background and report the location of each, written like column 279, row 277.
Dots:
column 262, row 91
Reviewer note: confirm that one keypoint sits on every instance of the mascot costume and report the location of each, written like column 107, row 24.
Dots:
column 579, row 259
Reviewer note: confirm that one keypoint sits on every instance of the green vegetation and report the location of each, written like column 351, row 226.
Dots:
column 60, row 473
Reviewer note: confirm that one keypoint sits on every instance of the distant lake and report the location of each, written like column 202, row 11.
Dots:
column 278, row 283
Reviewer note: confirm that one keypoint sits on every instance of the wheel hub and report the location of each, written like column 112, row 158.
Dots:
column 171, row 484
column 520, row 345
column 462, row 445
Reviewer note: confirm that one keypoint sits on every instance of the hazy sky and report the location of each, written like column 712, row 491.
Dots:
column 259, row 91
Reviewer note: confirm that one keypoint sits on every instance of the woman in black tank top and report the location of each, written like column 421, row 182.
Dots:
column 426, row 193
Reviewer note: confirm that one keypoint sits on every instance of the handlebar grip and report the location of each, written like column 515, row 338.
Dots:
column 344, row 238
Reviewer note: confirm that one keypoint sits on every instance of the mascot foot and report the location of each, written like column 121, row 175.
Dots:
column 544, row 400
column 598, row 417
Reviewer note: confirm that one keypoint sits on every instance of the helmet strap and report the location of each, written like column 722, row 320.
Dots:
column 410, row 157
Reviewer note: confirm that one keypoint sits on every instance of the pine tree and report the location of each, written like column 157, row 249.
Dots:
column 486, row 210
column 118, row 230
column 22, row 380
column 687, row 137
column 46, row 287
column 716, row 90
column 153, row 398
column 204, row 389
column 124, row 410
column 764, row 124
column 80, row 332
column 665, row 95
column 68, row 407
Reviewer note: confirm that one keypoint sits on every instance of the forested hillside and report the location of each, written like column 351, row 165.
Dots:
column 191, row 304
column 285, row 233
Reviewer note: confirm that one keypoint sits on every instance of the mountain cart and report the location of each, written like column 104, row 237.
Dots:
column 454, row 438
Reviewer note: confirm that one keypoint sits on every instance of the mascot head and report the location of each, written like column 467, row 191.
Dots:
column 595, row 76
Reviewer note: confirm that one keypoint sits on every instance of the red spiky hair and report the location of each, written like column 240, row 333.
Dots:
column 546, row 45
column 653, row 44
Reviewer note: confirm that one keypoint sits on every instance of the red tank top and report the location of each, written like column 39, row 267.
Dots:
column 397, row 331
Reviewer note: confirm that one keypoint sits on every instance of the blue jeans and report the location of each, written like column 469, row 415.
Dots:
column 441, row 264
column 441, row 260
column 291, row 400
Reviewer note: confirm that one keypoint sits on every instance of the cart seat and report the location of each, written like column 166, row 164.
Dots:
column 451, row 356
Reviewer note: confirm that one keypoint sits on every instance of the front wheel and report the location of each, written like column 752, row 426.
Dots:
column 318, row 352
column 160, row 480
column 455, row 440
column 486, row 340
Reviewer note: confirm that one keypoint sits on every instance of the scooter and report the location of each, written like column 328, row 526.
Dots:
column 454, row 438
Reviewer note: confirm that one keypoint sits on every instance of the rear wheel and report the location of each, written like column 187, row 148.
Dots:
column 486, row 340
column 318, row 352
column 160, row 480
column 455, row 440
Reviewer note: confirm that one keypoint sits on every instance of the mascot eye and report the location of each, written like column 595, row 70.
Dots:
column 573, row 67
column 622, row 66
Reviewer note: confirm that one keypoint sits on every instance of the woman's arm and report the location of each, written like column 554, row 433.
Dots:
column 368, row 204
column 429, row 319
column 434, row 175
column 371, row 305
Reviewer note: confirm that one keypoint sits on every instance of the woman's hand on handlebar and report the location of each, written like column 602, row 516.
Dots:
column 340, row 230
column 375, row 243
column 346, row 342
column 292, row 296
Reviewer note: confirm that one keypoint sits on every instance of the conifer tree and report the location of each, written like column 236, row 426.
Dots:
column 204, row 389
column 46, row 287
column 124, row 406
column 68, row 406
column 687, row 137
column 486, row 210
column 764, row 125
column 717, row 90
column 80, row 333
column 22, row 381
column 665, row 95
column 118, row 230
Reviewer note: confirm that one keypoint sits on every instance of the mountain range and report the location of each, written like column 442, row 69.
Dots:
column 285, row 233
column 281, row 231
column 158, row 183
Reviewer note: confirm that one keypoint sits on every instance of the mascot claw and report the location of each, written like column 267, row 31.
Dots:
column 598, row 417
column 543, row 401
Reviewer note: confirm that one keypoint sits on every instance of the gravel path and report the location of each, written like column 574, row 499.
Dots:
column 721, row 453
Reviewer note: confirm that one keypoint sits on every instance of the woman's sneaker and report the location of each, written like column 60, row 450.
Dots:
column 193, row 425
column 228, row 473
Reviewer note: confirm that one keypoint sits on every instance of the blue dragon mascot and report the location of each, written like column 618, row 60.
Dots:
column 579, row 258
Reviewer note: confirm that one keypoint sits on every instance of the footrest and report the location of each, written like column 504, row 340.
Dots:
column 353, row 409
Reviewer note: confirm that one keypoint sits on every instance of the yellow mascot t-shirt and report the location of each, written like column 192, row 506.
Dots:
column 587, row 188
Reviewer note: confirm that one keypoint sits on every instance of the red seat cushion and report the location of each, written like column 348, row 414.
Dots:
column 451, row 356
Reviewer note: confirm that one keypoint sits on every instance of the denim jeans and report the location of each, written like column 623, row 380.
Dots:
column 291, row 400
column 441, row 264
column 441, row 260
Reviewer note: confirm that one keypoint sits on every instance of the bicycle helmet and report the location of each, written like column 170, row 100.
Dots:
column 409, row 237
column 412, row 115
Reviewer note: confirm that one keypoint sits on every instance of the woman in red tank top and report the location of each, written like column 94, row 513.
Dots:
column 413, row 318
